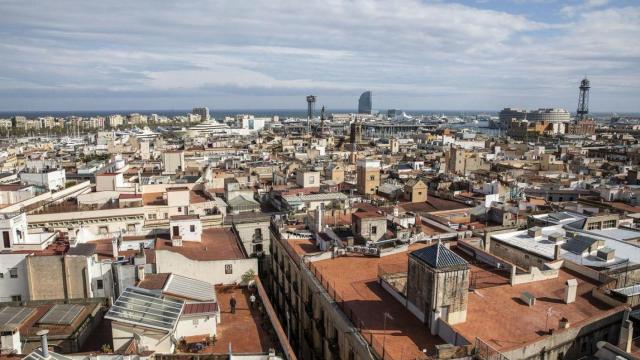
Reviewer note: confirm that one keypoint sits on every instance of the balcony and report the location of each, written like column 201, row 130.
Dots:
column 334, row 346
column 320, row 327
column 308, row 308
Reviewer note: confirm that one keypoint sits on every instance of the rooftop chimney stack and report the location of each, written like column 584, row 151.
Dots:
column 556, row 252
column 114, row 246
column 44, row 343
column 534, row 232
column 570, row 291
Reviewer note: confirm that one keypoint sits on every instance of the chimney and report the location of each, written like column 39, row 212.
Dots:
column 140, row 271
column 114, row 246
column 607, row 254
column 43, row 342
column 570, row 291
column 556, row 238
column 563, row 323
column 534, row 232
column 556, row 252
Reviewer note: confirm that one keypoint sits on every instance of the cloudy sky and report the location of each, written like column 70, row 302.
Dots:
column 255, row 54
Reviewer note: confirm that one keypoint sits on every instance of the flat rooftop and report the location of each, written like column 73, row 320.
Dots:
column 245, row 330
column 496, row 314
column 433, row 203
column 216, row 244
column 363, row 297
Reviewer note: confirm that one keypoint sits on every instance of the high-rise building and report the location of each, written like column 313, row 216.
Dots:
column 368, row 176
column 203, row 112
column 365, row 103
column 509, row 114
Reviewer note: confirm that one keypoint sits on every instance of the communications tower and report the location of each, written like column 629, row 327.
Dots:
column 311, row 104
column 583, row 100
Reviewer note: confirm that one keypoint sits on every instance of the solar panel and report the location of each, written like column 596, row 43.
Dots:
column 15, row 315
column 61, row 314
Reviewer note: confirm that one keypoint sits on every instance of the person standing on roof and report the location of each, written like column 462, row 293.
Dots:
column 252, row 299
column 232, row 302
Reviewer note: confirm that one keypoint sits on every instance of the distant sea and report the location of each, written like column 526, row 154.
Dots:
column 220, row 114
column 284, row 113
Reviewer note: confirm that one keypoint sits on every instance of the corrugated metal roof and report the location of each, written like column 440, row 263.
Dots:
column 37, row 355
column 629, row 291
column 184, row 287
column 438, row 256
column 15, row 315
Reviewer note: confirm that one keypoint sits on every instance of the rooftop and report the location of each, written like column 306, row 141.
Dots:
column 245, row 330
column 216, row 244
column 187, row 288
column 498, row 316
column 365, row 301
column 433, row 203
column 140, row 307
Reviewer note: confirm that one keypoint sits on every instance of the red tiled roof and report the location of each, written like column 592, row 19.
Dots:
column 130, row 196
column 154, row 281
column 200, row 308
column 216, row 244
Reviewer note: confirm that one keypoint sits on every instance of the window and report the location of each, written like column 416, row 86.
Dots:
column 152, row 216
column 608, row 224
column 192, row 228
column 16, row 298
column 103, row 230
column 13, row 273
column 176, row 231
column 131, row 227
column 6, row 240
column 99, row 284
column 374, row 230
column 1, row 275
column 593, row 226
column 372, row 177
column 312, row 179
column 195, row 322
column 179, row 208
column 228, row 269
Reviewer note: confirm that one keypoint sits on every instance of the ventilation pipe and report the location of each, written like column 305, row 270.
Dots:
column 43, row 342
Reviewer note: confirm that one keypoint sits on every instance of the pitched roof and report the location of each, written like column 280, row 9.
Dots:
column 200, row 308
column 438, row 256
column 188, row 288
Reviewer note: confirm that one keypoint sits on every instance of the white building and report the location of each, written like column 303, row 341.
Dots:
column 52, row 179
column 173, row 161
column 185, row 228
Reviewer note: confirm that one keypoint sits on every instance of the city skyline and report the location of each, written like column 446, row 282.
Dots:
column 483, row 55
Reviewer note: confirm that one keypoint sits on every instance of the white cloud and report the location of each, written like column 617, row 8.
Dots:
column 398, row 48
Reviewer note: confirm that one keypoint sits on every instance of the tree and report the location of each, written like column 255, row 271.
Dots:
column 247, row 277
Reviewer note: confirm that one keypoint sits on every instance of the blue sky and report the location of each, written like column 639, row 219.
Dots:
column 248, row 54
